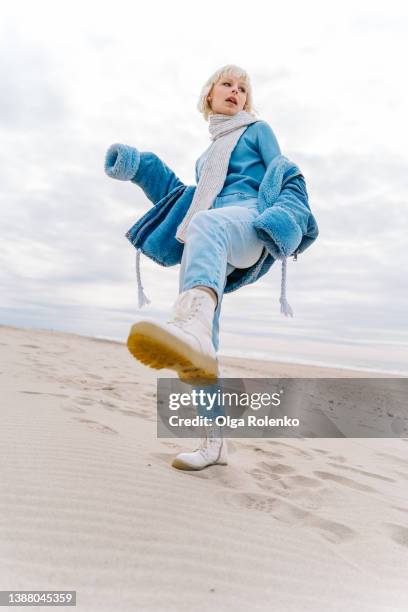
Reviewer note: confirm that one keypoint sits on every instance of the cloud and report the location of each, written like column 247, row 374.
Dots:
column 71, row 88
column 32, row 97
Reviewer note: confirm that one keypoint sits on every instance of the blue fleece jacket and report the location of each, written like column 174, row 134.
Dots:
column 254, row 151
column 285, row 222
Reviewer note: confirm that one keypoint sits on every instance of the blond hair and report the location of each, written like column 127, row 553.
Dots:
column 230, row 70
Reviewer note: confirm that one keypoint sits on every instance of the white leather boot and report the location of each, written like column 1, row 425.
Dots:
column 183, row 343
column 211, row 451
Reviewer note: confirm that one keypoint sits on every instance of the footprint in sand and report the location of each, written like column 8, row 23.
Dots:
column 268, row 476
column 262, row 479
column 282, row 480
column 274, row 471
column 291, row 514
column 97, row 426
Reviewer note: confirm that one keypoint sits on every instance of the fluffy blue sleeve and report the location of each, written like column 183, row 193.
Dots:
column 142, row 168
column 283, row 224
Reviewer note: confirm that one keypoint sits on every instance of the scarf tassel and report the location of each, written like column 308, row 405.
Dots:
column 143, row 299
column 285, row 309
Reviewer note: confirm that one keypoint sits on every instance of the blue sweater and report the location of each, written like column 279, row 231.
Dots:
column 249, row 160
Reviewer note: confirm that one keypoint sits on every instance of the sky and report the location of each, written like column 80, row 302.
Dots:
column 328, row 77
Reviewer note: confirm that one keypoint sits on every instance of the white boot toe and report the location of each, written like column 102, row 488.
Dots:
column 183, row 343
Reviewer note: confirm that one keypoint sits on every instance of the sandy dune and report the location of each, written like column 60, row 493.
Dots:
column 89, row 501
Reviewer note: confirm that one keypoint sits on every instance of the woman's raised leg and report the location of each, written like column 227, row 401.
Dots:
column 188, row 342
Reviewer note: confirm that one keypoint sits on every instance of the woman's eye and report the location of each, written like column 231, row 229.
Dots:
column 228, row 83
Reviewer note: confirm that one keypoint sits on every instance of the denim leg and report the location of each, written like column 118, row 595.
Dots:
column 207, row 409
column 217, row 312
column 204, row 259
column 217, row 241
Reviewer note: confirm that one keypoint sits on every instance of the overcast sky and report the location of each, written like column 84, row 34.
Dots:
column 330, row 79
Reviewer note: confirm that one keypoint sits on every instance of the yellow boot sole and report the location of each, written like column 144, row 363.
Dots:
column 180, row 465
column 157, row 354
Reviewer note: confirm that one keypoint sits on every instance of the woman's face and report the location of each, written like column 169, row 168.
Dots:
column 228, row 87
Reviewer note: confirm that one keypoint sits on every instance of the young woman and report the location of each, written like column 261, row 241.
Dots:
column 218, row 236
column 217, row 231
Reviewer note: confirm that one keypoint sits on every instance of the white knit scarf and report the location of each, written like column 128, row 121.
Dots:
column 225, row 130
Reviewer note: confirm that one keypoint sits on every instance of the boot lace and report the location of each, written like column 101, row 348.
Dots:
column 203, row 447
column 213, row 433
column 182, row 316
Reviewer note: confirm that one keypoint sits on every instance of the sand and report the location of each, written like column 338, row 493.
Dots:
column 89, row 500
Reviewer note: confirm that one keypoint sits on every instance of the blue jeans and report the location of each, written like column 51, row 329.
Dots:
column 218, row 240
